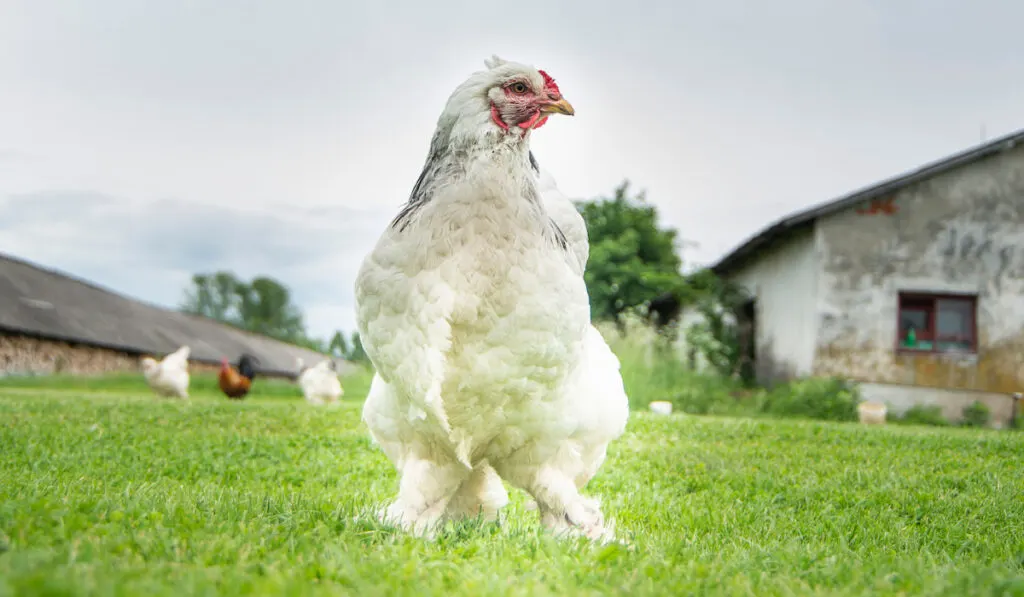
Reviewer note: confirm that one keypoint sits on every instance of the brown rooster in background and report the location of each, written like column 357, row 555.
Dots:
column 236, row 382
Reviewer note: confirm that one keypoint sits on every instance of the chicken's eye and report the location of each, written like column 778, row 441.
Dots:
column 519, row 88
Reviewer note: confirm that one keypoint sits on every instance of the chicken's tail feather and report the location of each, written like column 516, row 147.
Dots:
column 178, row 358
column 247, row 366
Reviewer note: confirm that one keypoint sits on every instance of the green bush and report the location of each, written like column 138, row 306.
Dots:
column 652, row 369
column 824, row 398
column 923, row 415
column 976, row 415
column 706, row 395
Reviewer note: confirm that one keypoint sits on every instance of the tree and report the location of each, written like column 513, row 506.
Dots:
column 632, row 259
column 265, row 307
column 356, row 354
column 722, row 335
column 262, row 305
column 214, row 296
column 338, row 345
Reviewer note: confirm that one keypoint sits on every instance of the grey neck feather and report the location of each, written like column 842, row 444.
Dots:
column 445, row 162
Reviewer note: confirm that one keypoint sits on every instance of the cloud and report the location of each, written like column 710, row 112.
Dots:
column 149, row 250
column 730, row 115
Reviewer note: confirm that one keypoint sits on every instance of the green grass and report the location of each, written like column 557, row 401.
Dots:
column 106, row 490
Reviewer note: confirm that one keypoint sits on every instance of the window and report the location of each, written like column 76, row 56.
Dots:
column 937, row 323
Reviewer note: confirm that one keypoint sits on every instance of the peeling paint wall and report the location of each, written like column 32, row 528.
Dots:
column 784, row 282
column 959, row 232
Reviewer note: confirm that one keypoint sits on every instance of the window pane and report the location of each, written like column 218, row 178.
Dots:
column 954, row 318
column 914, row 331
column 954, row 322
column 913, row 318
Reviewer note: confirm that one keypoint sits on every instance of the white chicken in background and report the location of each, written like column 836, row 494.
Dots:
column 168, row 377
column 473, row 309
column 319, row 383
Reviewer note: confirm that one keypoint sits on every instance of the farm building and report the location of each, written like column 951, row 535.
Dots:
column 51, row 322
column 913, row 287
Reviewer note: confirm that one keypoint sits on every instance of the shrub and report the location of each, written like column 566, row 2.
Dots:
column 976, row 415
column 824, row 398
column 652, row 370
column 923, row 415
column 706, row 395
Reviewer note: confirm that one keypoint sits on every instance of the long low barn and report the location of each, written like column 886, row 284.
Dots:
column 52, row 322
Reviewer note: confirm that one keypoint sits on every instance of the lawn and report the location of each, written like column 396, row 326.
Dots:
column 106, row 490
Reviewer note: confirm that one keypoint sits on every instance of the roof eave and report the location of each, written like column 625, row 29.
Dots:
column 808, row 216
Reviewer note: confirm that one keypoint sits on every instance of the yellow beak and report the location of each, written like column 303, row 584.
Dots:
column 561, row 107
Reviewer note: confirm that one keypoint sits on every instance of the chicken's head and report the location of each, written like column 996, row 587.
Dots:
column 508, row 97
column 522, row 96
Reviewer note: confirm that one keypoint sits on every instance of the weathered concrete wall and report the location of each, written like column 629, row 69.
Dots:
column 900, row 399
column 21, row 355
column 960, row 232
column 784, row 282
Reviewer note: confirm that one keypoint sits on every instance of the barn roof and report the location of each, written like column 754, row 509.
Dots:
column 780, row 228
column 49, row 304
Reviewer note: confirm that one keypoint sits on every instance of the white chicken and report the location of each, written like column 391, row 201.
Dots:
column 473, row 309
column 607, row 386
column 168, row 377
column 564, row 213
column 319, row 383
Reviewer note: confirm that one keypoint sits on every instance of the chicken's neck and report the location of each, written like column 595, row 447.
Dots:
column 468, row 145
column 461, row 146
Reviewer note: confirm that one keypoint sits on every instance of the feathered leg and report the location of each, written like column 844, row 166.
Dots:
column 482, row 495
column 553, row 486
column 429, row 477
column 591, row 460
column 604, row 419
column 424, row 492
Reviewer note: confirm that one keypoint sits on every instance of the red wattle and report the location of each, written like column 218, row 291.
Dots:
column 497, row 118
column 528, row 123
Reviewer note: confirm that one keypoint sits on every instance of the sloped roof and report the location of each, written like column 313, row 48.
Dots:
column 762, row 239
column 50, row 304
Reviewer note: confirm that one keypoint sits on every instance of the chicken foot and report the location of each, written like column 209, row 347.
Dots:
column 424, row 492
column 563, row 510
column 481, row 495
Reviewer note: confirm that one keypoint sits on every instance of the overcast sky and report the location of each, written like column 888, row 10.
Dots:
column 143, row 140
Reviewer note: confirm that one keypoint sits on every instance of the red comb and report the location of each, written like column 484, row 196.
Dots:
column 549, row 83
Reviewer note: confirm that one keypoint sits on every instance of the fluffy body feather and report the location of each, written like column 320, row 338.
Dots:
column 564, row 214
column 474, row 312
column 169, row 377
column 319, row 383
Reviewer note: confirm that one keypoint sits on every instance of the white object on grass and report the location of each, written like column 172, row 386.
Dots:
column 661, row 407
column 872, row 413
